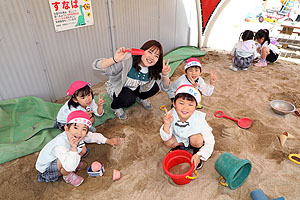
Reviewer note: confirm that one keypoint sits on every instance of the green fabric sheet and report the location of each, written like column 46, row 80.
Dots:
column 26, row 123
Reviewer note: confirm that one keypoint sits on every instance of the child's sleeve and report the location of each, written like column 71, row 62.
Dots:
column 95, row 109
column 165, row 136
column 206, row 89
column 95, row 138
column 233, row 50
column 172, row 91
column 209, row 142
column 69, row 159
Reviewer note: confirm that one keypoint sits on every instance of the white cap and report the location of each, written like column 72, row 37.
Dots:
column 189, row 89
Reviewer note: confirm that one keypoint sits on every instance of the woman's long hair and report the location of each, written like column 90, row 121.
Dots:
column 155, row 70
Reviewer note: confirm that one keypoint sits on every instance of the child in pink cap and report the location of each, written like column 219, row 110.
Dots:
column 184, row 127
column 61, row 156
column 82, row 98
column 192, row 76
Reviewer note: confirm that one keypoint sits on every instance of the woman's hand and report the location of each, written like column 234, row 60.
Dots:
column 166, row 68
column 119, row 55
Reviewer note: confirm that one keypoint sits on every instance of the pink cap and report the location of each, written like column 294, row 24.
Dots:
column 189, row 89
column 76, row 86
column 192, row 62
column 80, row 117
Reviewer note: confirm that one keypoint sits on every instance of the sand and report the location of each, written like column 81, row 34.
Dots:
column 237, row 94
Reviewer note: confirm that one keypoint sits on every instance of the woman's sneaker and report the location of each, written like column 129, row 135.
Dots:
column 146, row 103
column 120, row 113
column 73, row 179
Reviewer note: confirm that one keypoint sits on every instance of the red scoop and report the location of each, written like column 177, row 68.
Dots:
column 243, row 122
column 134, row 51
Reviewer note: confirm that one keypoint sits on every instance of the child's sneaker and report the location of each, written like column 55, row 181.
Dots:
column 120, row 113
column 200, row 165
column 146, row 103
column 86, row 153
column 179, row 147
column 233, row 68
column 73, row 179
column 261, row 63
column 245, row 69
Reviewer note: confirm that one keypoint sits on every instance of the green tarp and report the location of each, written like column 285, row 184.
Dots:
column 26, row 123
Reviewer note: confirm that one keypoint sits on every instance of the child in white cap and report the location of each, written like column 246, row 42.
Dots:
column 82, row 98
column 192, row 76
column 185, row 127
column 61, row 156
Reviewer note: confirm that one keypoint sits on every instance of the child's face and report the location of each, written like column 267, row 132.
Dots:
column 150, row 57
column 184, row 108
column 260, row 40
column 193, row 73
column 76, row 131
column 84, row 101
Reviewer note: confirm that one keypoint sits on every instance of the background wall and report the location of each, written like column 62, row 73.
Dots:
column 37, row 61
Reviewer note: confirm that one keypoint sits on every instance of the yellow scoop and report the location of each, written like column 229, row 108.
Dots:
column 295, row 158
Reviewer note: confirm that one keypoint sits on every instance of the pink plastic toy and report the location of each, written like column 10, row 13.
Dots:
column 116, row 175
column 96, row 166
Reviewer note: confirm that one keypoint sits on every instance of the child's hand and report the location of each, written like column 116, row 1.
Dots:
column 195, row 84
column 213, row 77
column 166, row 68
column 120, row 55
column 168, row 119
column 100, row 100
column 114, row 141
column 90, row 113
column 73, row 142
column 195, row 159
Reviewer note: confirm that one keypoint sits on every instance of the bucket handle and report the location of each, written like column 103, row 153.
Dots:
column 192, row 177
column 223, row 183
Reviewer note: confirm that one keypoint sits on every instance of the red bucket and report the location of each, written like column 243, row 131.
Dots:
column 175, row 158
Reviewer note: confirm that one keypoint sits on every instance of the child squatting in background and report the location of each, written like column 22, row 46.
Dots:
column 136, row 77
column 244, row 52
column 61, row 156
column 82, row 98
column 185, row 127
column 268, row 51
column 192, row 71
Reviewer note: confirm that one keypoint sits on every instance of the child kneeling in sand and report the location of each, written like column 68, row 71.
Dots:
column 192, row 71
column 185, row 127
column 61, row 156
column 243, row 52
